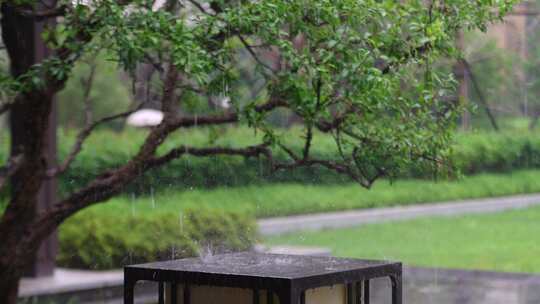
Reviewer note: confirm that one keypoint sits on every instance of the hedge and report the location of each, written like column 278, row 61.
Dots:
column 496, row 152
column 473, row 153
column 94, row 240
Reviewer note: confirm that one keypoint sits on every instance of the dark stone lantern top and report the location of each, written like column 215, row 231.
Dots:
column 244, row 278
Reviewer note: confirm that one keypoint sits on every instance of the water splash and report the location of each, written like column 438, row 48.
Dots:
column 206, row 252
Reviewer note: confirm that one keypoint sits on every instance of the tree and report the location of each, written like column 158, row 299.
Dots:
column 362, row 73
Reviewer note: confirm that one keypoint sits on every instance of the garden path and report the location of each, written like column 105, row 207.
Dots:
column 340, row 219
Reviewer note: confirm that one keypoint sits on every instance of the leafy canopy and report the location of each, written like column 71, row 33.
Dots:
column 358, row 69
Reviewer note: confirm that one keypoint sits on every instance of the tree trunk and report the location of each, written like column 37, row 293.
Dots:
column 29, row 120
column 8, row 290
column 27, row 130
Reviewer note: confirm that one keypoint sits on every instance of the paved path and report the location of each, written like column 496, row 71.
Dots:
column 65, row 280
column 319, row 221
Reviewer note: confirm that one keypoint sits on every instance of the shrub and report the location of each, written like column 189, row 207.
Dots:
column 94, row 240
column 215, row 233
column 496, row 152
column 473, row 153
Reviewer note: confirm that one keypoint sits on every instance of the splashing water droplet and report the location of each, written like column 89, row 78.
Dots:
column 206, row 252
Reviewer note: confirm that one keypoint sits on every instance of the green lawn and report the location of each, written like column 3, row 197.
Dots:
column 508, row 241
column 285, row 199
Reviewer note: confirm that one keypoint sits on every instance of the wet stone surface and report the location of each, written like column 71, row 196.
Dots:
column 266, row 265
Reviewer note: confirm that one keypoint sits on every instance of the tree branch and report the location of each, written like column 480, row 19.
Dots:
column 113, row 182
column 81, row 138
column 386, row 67
column 327, row 126
column 224, row 118
column 250, row 151
column 87, row 84
column 338, row 120
column 481, row 96
column 290, row 152
column 169, row 91
column 332, row 165
column 254, row 55
column 307, row 146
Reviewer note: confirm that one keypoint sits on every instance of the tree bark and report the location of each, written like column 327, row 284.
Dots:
column 8, row 290
column 27, row 130
column 29, row 122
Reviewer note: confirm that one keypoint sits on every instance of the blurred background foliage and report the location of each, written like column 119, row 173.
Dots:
column 110, row 93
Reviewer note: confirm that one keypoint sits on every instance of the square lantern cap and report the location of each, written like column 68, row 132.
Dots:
column 275, row 272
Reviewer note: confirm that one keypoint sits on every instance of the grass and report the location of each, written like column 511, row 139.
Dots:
column 287, row 199
column 502, row 242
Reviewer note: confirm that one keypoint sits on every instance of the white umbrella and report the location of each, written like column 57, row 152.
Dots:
column 145, row 118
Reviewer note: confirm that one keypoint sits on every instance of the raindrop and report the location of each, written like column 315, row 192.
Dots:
column 181, row 222
column 152, row 198
column 132, row 204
